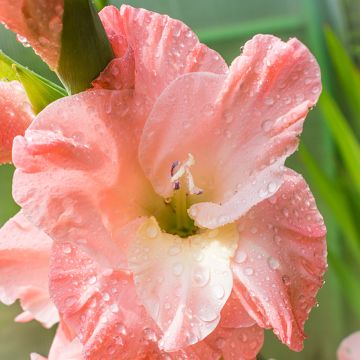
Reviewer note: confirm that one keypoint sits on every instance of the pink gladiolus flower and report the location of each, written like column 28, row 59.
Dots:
column 15, row 116
column 349, row 348
column 177, row 230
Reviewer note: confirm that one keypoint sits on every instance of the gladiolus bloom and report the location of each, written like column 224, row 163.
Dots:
column 16, row 115
column 177, row 230
column 349, row 348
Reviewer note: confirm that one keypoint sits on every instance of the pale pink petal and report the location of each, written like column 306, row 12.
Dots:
column 15, row 116
column 281, row 259
column 64, row 347
column 248, row 121
column 84, row 149
column 24, row 257
column 37, row 304
column 183, row 282
column 349, row 348
column 37, row 22
column 163, row 48
column 237, row 344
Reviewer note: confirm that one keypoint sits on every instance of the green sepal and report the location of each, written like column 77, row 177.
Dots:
column 100, row 4
column 85, row 48
column 40, row 91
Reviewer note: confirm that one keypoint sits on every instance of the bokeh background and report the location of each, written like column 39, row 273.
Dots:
column 329, row 158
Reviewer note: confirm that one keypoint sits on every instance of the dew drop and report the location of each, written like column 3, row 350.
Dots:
column 315, row 90
column 269, row 101
column 213, row 233
column 266, row 125
column 71, row 300
column 240, row 257
column 114, row 308
column 67, row 249
column 111, row 350
column 207, row 314
column 273, row 263
column 178, row 269
column 149, row 335
column 174, row 250
column 106, row 296
column 220, row 342
column 92, row 280
column 219, row 291
column 120, row 328
column 249, row 271
column 201, row 277
column 272, row 187
column 152, row 231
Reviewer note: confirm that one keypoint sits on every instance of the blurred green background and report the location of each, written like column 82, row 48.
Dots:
column 329, row 157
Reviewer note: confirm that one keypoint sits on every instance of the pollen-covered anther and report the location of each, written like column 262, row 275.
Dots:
column 183, row 170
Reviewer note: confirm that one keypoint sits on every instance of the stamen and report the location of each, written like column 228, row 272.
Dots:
column 184, row 169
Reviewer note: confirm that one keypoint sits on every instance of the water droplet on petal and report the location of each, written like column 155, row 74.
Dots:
column 67, row 249
column 272, row 187
column 240, row 257
column 213, row 233
column 92, row 280
column 174, row 250
column 269, row 101
column 152, row 231
column 71, row 300
column 106, row 296
column 273, row 263
column 207, row 314
column 114, row 308
column 201, row 277
column 220, row 342
column 120, row 328
column 266, row 125
column 178, row 269
column 219, row 291
column 249, row 271
column 150, row 335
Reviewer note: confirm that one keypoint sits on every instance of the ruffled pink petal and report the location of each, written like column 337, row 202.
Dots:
column 64, row 347
column 24, row 256
column 82, row 150
column 101, row 306
column 15, row 116
column 38, row 23
column 248, row 121
column 233, row 314
column 237, row 344
column 280, row 260
column 163, row 48
column 349, row 348
column 183, row 282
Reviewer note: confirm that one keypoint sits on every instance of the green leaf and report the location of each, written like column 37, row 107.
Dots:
column 348, row 279
column 335, row 198
column 344, row 137
column 346, row 71
column 40, row 91
column 85, row 48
